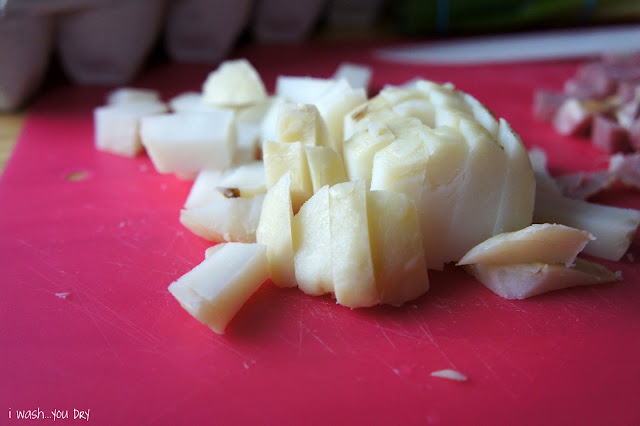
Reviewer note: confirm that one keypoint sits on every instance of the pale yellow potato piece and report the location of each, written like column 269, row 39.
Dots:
column 249, row 122
column 480, row 195
column 482, row 114
column 117, row 125
column 302, row 123
column 358, row 76
column 406, row 127
column 128, row 95
column 234, row 83
column 396, row 247
column 394, row 95
column 304, row 90
column 210, row 251
column 613, row 227
column 225, row 219
column 311, row 232
column 204, row 188
column 352, row 267
column 449, row 116
column 359, row 118
column 359, row 150
column 544, row 181
column 519, row 281
column 443, row 180
column 518, row 192
column 538, row 243
column 269, row 125
column 401, row 167
column 421, row 109
column 334, row 105
column 325, row 166
column 188, row 102
column 280, row 158
column 247, row 180
column 215, row 290
column 186, row 143
column 442, row 95
column 274, row 231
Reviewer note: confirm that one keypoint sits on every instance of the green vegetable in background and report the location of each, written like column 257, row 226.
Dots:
column 420, row 17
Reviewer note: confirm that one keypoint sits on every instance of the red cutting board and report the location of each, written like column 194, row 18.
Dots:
column 121, row 347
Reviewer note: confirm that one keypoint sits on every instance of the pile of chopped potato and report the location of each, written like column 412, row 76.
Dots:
column 323, row 188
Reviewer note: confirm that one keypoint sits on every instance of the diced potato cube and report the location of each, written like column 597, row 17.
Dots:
column 234, row 83
column 189, row 142
column 225, row 219
column 275, row 232
column 117, row 126
column 215, row 290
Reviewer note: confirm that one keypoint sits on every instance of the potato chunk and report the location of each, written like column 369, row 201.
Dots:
column 274, row 231
column 215, row 290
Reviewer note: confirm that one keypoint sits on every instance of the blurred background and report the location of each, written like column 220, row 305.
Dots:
column 107, row 42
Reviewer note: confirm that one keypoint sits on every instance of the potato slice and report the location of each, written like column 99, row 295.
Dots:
column 358, row 119
column 443, row 95
column 544, row 181
column 401, row 167
column 394, row 95
column 359, row 150
column 312, row 244
column 482, row 114
column 519, row 281
column 269, row 124
column 305, row 90
column 225, row 219
column 325, row 166
column 358, row 76
column 210, row 251
column 396, row 247
column 480, row 195
column 352, row 267
column 518, row 193
column 189, row 142
column 280, row 158
column 248, row 126
column 447, row 116
column 275, row 232
column 334, row 105
column 204, row 188
column 613, row 227
column 302, row 123
column 421, row 109
column 247, row 180
column 215, row 290
column 448, row 154
column 406, row 127
column 538, row 243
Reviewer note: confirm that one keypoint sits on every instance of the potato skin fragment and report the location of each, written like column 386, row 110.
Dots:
column 230, row 192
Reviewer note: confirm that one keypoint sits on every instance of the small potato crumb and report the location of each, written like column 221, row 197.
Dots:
column 62, row 295
column 450, row 374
